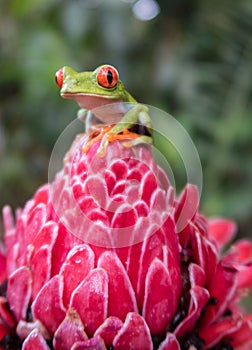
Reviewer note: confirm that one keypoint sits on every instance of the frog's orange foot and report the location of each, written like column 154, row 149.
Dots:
column 102, row 132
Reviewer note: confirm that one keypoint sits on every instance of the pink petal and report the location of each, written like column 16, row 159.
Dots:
column 42, row 194
column 133, row 263
column 141, row 208
column 173, row 268
column 124, row 216
column 244, row 275
column 196, row 275
column 240, row 257
column 242, row 251
column 120, row 290
column 76, row 267
column 90, row 300
column 170, row 343
column 69, row 331
column 36, row 220
column 171, row 237
column 46, row 236
column 187, row 206
column 35, row 341
column 48, row 307
column 3, row 332
column 19, row 291
column 41, row 269
column 64, row 242
column 97, row 189
column 95, row 343
column 110, row 179
column 158, row 306
column 120, row 169
column 222, row 289
column 242, row 336
column 5, row 316
column 12, row 257
column 199, row 298
column 134, row 335
column 10, row 237
column 109, row 329
column 147, row 186
column 152, row 248
column 24, row 328
column 222, row 230
column 205, row 255
column 3, row 275
column 216, row 331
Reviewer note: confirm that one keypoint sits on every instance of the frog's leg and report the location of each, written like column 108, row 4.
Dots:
column 87, row 117
column 137, row 116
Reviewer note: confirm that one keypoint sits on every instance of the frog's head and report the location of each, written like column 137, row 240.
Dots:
column 92, row 89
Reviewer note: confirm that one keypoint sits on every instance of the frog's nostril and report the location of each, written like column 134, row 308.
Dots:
column 59, row 76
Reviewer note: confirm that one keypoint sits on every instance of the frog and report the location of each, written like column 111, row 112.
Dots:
column 102, row 87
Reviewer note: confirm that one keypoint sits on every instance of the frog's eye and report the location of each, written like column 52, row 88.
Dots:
column 59, row 77
column 107, row 77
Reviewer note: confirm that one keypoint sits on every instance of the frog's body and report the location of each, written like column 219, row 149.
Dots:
column 102, row 87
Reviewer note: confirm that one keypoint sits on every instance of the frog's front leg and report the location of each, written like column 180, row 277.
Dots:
column 137, row 116
column 88, row 118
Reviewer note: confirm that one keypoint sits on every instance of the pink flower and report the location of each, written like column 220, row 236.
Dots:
column 106, row 258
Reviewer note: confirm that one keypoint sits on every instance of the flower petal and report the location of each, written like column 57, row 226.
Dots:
column 76, row 267
column 199, row 298
column 5, row 316
column 19, row 291
column 48, row 307
column 158, row 306
column 69, row 331
column 3, row 274
column 3, row 332
column 196, row 275
column 152, row 248
column 36, row 219
column 41, row 268
column 216, row 331
column 170, row 343
column 64, row 242
column 90, row 300
column 35, row 341
column 222, row 230
column 119, row 288
column 134, row 335
column 187, row 206
column 243, row 336
column 95, row 343
column 109, row 329
column 222, row 290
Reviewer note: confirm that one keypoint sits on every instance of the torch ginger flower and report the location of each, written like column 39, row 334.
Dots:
column 106, row 257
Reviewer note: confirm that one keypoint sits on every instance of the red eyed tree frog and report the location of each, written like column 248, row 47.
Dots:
column 101, row 87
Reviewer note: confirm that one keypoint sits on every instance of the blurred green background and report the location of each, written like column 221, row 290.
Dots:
column 190, row 58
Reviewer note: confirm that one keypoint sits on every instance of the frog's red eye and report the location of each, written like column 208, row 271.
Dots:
column 59, row 77
column 107, row 77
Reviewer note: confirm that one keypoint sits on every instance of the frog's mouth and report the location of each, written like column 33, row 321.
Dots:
column 90, row 101
column 111, row 113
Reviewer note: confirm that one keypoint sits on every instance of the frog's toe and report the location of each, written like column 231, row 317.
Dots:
column 137, row 141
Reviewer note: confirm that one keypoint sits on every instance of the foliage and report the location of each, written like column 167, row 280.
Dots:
column 192, row 60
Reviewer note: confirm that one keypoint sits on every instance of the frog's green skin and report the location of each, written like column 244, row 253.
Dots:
column 89, row 94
